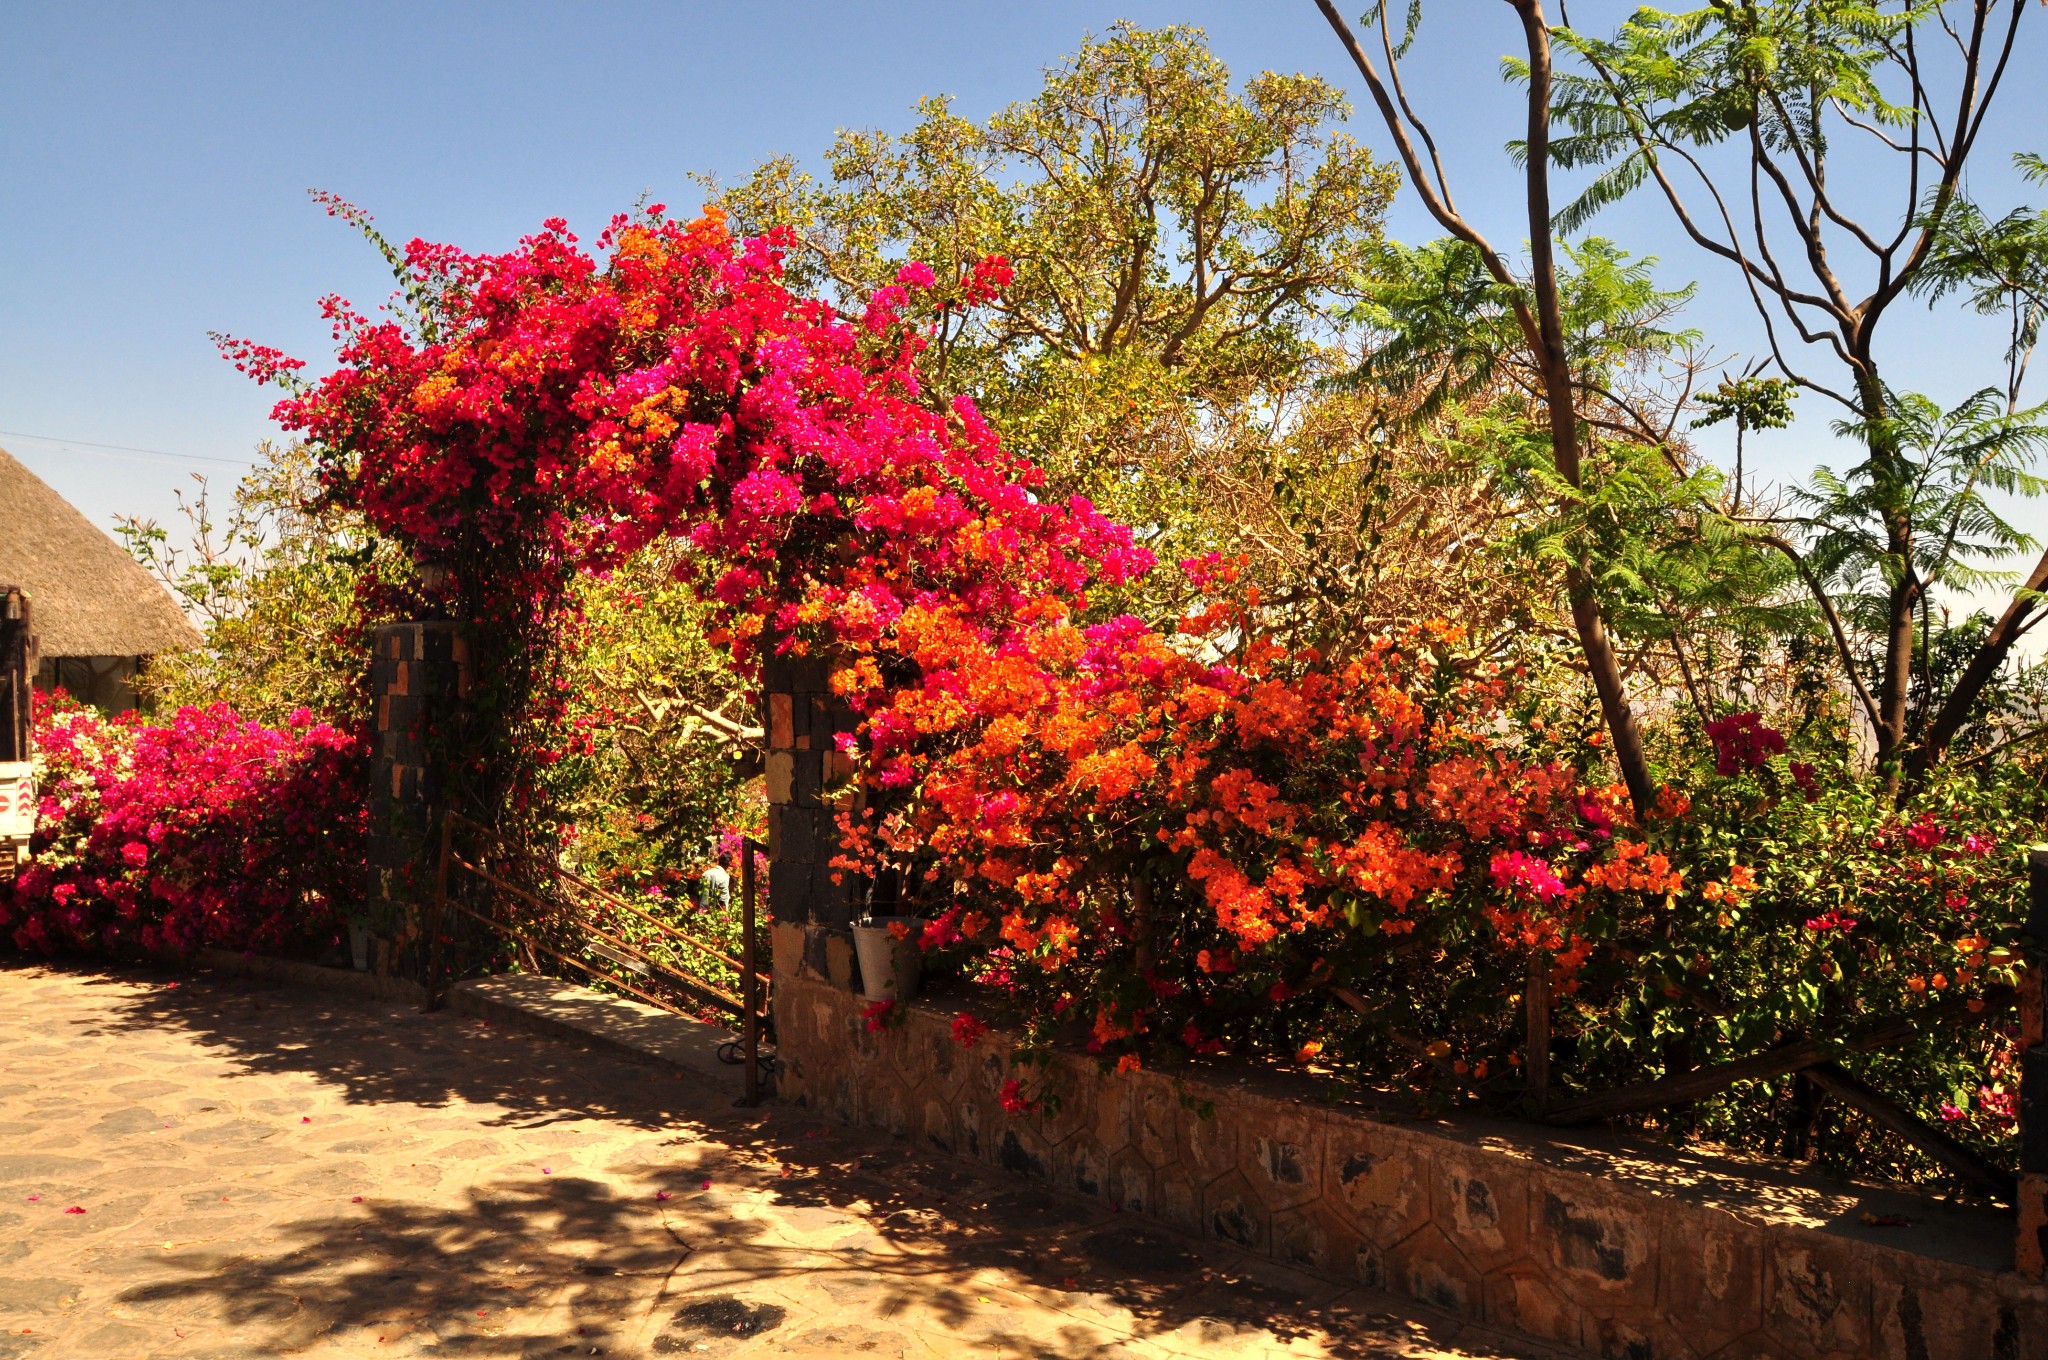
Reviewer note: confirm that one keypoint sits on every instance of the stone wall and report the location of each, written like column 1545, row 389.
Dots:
column 1620, row 1250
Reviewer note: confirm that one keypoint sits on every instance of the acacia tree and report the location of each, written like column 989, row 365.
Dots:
column 1731, row 114
column 1536, row 302
column 1178, row 250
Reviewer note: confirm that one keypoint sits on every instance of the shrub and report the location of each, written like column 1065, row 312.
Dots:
column 205, row 830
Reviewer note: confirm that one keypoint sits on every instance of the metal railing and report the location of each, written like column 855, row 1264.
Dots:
column 559, row 919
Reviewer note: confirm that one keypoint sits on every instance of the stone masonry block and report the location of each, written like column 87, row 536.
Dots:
column 1482, row 1201
column 800, row 709
column 839, row 959
column 1600, row 1240
column 789, row 897
column 1127, row 1184
column 792, row 835
column 1021, row 1150
column 831, row 896
column 1818, row 1294
column 790, row 674
column 1210, row 1141
column 1755, row 1346
column 883, row 1103
column 1232, row 1212
column 976, row 1119
column 1281, row 1149
column 1651, row 1338
column 1155, row 1122
column 809, row 778
column 781, row 735
column 786, row 949
column 1176, row 1200
column 1113, row 1105
column 781, row 773
column 1307, row 1237
column 1382, row 1178
column 1427, row 1265
column 1519, row 1297
column 986, row 1069
column 936, row 1125
column 1710, row 1267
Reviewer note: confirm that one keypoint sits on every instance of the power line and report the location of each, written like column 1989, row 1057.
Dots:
column 121, row 448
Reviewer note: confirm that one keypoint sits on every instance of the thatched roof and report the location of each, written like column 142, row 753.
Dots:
column 91, row 598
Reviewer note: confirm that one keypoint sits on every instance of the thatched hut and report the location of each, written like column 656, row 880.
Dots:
column 98, row 614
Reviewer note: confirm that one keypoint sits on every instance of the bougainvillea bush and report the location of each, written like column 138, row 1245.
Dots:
column 203, row 830
column 1164, row 839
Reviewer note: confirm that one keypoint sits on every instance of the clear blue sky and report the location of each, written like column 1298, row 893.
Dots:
column 154, row 162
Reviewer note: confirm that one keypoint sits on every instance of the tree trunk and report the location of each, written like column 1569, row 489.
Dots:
column 1997, row 646
column 1562, row 401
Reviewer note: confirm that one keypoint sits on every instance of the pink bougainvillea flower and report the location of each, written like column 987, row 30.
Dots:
column 75, row 1209
column 662, row 1194
column 1743, row 742
column 1013, row 1098
column 1925, row 834
column 1517, row 871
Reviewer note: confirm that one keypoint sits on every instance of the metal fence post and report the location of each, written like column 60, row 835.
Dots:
column 2030, row 1250
column 438, row 923
column 750, row 983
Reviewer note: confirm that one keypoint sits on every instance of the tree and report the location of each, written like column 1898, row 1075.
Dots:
column 1174, row 252
column 275, row 590
column 1778, row 83
column 1538, row 309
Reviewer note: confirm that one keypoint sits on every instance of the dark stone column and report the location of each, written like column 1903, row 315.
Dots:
column 806, row 774
column 419, row 674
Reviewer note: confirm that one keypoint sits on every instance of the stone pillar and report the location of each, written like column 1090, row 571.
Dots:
column 419, row 672
column 811, row 913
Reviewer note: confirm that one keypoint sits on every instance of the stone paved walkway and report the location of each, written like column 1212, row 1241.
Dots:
column 199, row 1168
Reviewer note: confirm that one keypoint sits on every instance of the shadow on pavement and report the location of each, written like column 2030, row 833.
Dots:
column 765, row 1225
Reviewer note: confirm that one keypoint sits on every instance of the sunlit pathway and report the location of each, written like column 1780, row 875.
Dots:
column 209, row 1169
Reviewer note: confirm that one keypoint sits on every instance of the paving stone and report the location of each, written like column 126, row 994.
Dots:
column 27, row 1295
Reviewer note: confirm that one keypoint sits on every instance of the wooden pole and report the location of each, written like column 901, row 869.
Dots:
column 750, row 985
column 2030, row 1250
column 1536, row 1015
